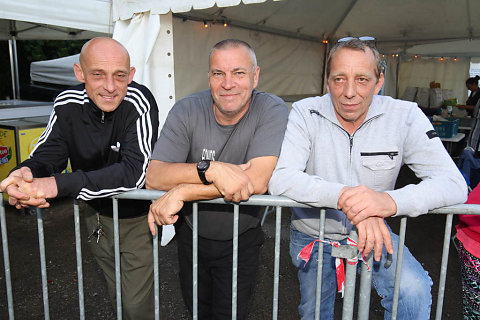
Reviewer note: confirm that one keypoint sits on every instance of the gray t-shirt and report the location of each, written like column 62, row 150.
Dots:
column 191, row 134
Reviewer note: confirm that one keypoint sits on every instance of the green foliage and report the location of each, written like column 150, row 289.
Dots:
column 36, row 50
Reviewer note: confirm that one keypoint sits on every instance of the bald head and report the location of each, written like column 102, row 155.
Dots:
column 101, row 44
column 105, row 69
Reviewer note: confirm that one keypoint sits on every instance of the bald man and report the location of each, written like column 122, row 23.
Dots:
column 107, row 127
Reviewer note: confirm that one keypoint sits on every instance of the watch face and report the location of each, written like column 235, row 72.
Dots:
column 203, row 165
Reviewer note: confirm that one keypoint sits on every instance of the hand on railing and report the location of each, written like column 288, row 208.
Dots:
column 24, row 190
column 231, row 180
column 164, row 210
column 359, row 203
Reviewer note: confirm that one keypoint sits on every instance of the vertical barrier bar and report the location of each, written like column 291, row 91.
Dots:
column 236, row 211
column 156, row 279
column 350, row 278
column 365, row 289
column 41, row 244
column 443, row 268
column 6, row 259
column 276, row 272
column 78, row 249
column 398, row 270
column 116, row 241
column 195, row 260
column 320, row 264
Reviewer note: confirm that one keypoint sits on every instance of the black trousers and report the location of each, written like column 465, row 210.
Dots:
column 215, row 272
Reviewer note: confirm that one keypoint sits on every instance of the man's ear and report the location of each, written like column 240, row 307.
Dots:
column 379, row 84
column 131, row 74
column 256, row 74
column 78, row 72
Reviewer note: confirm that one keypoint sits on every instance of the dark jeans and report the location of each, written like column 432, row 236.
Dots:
column 215, row 272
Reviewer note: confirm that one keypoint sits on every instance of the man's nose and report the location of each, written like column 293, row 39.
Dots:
column 350, row 89
column 109, row 84
column 228, row 82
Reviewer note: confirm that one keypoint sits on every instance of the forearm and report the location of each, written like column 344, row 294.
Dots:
column 104, row 182
column 304, row 188
column 196, row 191
column 165, row 176
column 260, row 171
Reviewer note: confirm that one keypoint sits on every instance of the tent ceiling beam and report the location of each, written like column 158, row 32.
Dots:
column 15, row 31
column 248, row 26
column 342, row 19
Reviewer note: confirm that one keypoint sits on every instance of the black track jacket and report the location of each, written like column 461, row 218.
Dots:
column 108, row 151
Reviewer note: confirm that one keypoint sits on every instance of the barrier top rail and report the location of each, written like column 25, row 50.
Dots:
column 281, row 201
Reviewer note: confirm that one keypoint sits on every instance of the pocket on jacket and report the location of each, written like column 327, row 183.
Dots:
column 378, row 169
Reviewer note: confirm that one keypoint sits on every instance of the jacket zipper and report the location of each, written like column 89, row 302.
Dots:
column 391, row 154
column 350, row 137
column 103, row 117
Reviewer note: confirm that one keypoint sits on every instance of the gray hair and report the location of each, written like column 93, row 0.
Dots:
column 359, row 45
column 233, row 43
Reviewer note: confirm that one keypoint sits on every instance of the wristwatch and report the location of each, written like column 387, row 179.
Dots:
column 202, row 166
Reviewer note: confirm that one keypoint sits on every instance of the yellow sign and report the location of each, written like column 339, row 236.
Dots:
column 8, row 152
column 28, row 138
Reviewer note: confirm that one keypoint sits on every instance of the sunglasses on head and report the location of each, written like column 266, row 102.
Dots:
column 366, row 39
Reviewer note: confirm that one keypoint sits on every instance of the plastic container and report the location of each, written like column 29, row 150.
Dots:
column 446, row 129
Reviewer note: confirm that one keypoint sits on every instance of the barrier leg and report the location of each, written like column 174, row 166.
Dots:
column 78, row 249
column 443, row 268
column 6, row 259
column 43, row 264
column 276, row 272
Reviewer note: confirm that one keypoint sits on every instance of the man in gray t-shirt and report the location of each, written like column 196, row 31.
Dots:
column 223, row 142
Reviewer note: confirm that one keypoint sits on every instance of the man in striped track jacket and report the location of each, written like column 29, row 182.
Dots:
column 106, row 127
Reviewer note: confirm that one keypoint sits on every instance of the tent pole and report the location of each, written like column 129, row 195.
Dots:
column 325, row 52
column 396, row 76
column 12, row 46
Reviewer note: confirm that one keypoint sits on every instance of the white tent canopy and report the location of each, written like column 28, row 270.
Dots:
column 54, row 19
column 57, row 71
column 283, row 31
column 393, row 23
column 170, row 53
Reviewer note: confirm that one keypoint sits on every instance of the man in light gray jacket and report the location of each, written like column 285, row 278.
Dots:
column 344, row 151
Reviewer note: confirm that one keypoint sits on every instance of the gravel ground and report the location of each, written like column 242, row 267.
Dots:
column 424, row 238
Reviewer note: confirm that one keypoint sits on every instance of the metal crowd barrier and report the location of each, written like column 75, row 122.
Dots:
column 258, row 200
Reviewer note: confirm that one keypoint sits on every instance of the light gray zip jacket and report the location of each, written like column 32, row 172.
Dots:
column 319, row 158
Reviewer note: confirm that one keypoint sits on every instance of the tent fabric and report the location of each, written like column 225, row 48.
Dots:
column 125, row 9
column 147, row 37
column 397, row 25
column 421, row 71
column 92, row 15
column 56, row 71
column 287, row 66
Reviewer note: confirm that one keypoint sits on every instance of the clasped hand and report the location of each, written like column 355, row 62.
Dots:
column 367, row 208
column 23, row 190
column 231, row 180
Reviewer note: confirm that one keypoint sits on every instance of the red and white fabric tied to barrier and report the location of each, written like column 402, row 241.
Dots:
column 306, row 253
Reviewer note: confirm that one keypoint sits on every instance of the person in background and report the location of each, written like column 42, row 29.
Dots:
column 107, row 127
column 344, row 151
column 222, row 142
column 472, row 85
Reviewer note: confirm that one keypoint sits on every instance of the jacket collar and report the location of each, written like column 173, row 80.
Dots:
column 327, row 110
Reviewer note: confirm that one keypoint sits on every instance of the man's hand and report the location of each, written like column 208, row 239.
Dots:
column 164, row 210
column 231, row 180
column 39, row 190
column 11, row 185
column 24, row 190
column 18, row 187
column 360, row 203
column 372, row 234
